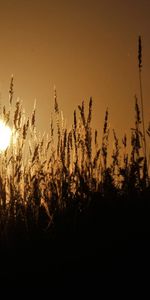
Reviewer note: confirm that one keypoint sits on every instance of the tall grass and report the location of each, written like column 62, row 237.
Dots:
column 42, row 176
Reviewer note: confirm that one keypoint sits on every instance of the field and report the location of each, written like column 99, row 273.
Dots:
column 70, row 211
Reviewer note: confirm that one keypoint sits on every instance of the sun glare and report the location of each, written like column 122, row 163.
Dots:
column 5, row 136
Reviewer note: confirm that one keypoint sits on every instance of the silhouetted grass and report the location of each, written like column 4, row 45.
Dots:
column 63, row 201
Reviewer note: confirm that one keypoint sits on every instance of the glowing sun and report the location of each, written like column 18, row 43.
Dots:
column 5, row 136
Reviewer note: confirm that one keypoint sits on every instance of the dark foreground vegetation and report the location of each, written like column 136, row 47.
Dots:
column 75, row 219
column 108, row 243
column 72, row 214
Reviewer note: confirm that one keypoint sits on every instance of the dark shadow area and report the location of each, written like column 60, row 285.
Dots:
column 107, row 245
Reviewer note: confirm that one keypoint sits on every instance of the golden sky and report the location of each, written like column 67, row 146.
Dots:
column 84, row 48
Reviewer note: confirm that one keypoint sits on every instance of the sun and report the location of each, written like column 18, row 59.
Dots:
column 5, row 136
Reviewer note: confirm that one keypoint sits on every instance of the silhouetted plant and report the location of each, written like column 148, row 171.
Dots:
column 44, row 176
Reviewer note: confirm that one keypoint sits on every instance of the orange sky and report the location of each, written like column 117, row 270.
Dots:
column 84, row 48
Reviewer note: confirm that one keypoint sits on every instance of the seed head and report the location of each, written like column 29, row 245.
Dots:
column 140, row 53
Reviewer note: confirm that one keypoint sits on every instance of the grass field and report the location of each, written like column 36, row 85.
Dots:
column 69, row 210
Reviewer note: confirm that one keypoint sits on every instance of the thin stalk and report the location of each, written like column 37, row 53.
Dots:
column 141, row 97
column 142, row 110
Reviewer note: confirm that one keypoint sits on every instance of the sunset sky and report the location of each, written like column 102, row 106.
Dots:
column 84, row 48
